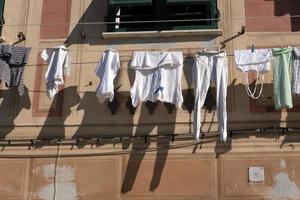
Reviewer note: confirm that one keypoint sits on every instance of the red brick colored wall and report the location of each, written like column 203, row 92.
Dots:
column 274, row 15
column 55, row 11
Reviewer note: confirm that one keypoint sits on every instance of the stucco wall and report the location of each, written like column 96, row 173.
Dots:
column 143, row 167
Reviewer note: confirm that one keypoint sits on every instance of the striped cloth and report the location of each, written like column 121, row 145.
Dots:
column 12, row 62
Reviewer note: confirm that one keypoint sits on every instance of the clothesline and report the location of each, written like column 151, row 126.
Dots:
column 80, row 63
column 185, row 55
column 231, row 54
column 150, row 21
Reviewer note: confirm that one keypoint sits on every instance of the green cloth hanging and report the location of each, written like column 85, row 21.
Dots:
column 281, row 63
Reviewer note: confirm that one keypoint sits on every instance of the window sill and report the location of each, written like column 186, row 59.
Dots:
column 171, row 33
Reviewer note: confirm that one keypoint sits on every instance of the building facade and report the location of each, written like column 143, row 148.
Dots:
column 73, row 147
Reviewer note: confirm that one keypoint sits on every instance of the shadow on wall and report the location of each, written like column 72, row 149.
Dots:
column 54, row 125
column 95, row 116
column 274, row 128
column 11, row 104
column 139, row 147
column 95, row 12
column 259, row 108
column 291, row 7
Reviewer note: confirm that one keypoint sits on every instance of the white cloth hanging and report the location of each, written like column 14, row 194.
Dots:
column 59, row 65
column 107, row 71
column 257, row 61
column 210, row 66
column 158, row 77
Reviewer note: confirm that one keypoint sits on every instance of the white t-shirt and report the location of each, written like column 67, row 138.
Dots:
column 158, row 77
column 59, row 64
column 107, row 70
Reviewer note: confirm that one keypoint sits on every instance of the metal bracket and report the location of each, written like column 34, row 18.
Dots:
column 21, row 38
column 223, row 43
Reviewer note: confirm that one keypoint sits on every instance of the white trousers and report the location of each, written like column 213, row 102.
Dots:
column 210, row 66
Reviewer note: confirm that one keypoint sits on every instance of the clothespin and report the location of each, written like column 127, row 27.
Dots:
column 252, row 48
column 220, row 50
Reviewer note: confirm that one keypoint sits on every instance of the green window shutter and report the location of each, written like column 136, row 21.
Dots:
column 2, row 2
column 129, row 2
column 1, row 9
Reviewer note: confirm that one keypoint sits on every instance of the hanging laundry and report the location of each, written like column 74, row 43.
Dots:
column 59, row 65
column 12, row 63
column 107, row 71
column 158, row 77
column 258, row 61
column 296, row 71
column 282, row 62
column 282, row 88
column 210, row 66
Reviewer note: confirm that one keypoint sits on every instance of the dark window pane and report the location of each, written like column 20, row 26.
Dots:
column 131, row 10
column 2, row 2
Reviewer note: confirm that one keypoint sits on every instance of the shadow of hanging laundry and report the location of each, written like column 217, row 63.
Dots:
column 54, row 126
column 12, row 105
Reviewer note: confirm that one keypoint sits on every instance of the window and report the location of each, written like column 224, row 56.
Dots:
column 153, row 10
column 2, row 2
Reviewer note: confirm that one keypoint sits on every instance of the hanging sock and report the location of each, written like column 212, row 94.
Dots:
column 210, row 66
column 107, row 71
column 296, row 71
column 258, row 61
column 282, row 62
column 59, row 65
column 157, row 77
column 12, row 64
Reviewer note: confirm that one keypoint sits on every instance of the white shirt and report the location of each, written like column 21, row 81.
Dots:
column 158, row 77
column 59, row 64
column 107, row 70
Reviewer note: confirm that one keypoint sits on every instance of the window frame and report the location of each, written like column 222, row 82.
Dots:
column 161, row 12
